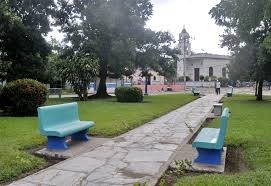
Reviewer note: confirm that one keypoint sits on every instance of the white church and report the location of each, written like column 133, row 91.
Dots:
column 201, row 64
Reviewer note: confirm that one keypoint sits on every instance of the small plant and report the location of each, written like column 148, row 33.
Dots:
column 174, row 172
column 129, row 94
column 23, row 97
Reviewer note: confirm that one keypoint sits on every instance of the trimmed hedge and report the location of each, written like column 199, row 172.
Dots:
column 23, row 96
column 129, row 94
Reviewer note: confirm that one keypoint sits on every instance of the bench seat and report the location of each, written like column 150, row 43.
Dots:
column 207, row 138
column 68, row 128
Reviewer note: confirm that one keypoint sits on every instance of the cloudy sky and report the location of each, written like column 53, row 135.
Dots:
column 172, row 15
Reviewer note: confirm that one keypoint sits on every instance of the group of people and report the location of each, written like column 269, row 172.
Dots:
column 217, row 87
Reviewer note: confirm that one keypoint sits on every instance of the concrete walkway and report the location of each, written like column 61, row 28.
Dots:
column 141, row 155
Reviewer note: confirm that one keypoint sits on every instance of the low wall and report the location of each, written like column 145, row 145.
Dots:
column 161, row 88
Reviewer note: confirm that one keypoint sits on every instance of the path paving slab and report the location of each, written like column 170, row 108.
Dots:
column 140, row 155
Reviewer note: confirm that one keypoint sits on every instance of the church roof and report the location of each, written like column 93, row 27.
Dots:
column 210, row 56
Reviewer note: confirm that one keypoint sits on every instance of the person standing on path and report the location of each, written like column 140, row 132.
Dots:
column 218, row 87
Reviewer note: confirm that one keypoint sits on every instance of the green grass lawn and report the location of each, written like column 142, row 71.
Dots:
column 249, row 128
column 17, row 134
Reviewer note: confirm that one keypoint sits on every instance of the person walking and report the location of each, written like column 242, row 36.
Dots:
column 217, row 87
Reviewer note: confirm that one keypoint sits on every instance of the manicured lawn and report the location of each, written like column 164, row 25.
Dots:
column 250, row 129
column 112, row 118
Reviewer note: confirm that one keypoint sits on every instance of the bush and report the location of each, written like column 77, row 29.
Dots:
column 23, row 97
column 129, row 94
column 224, row 81
column 201, row 77
column 206, row 78
column 181, row 78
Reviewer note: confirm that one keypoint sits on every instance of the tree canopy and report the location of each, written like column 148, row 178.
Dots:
column 114, row 32
column 23, row 49
column 247, row 26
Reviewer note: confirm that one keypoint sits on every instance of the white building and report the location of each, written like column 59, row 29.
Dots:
column 202, row 64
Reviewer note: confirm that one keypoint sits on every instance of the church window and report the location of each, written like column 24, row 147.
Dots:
column 154, row 78
column 211, row 71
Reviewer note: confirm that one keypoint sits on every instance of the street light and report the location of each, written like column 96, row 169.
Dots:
column 147, row 75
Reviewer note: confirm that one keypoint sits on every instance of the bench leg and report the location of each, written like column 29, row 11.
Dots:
column 209, row 156
column 81, row 136
column 56, row 143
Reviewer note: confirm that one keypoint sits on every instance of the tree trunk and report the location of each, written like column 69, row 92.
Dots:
column 85, row 92
column 256, row 88
column 260, row 91
column 101, row 91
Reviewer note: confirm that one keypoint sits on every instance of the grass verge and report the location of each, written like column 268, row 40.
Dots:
column 17, row 134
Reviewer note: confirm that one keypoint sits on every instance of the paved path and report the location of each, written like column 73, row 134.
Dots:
column 141, row 155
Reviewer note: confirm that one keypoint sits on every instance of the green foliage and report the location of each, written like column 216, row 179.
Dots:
column 181, row 78
column 178, row 169
column 247, row 34
column 23, row 49
column 224, row 82
column 213, row 78
column 109, row 30
column 79, row 71
column 206, row 78
column 23, row 96
column 201, row 77
column 129, row 94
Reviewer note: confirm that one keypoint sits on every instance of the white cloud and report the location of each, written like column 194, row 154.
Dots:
column 172, row 15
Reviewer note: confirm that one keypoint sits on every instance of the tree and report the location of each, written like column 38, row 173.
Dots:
column 247, row 31
column 155, row 53
column 107, row 29
column 22, row 46
column 79, row 70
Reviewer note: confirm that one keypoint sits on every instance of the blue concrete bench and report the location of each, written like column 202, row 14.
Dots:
column 210, row 141
column 59, row 121
column 195, row 91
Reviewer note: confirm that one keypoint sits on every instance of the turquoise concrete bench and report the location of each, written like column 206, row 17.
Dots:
column 209, row 142
column 195, row 91
column 57, row 122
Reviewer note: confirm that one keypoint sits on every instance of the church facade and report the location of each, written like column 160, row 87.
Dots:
column 201, row 64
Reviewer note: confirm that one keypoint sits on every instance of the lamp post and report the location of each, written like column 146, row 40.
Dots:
column 146, row 73
column 146, row 86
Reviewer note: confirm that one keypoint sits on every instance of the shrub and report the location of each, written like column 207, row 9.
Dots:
column 224, row 81
column 206, row 78
column 23, row 97
column 181, row 79
column 129, row 94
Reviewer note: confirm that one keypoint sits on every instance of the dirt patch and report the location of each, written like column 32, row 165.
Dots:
column 235, row 163
column 235, row 160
